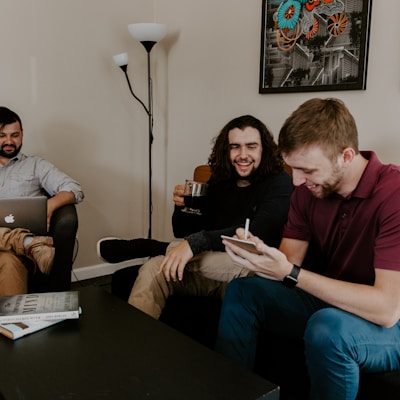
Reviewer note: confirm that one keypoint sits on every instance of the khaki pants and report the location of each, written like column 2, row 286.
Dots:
column 206, row 274
column 13, row 273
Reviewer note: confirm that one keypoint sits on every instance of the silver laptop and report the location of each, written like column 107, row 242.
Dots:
column 24, row 212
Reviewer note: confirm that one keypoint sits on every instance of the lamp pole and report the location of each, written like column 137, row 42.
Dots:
column 151, row 138
column 148, row 34
column 148, row 45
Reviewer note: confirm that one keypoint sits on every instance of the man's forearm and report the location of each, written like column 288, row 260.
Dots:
column 59, row 200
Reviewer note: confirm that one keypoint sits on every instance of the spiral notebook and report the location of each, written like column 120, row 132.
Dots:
column 25, row 212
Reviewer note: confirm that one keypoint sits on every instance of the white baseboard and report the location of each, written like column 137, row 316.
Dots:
column 94, row 271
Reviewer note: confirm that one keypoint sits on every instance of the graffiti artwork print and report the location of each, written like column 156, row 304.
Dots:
column 314, row 45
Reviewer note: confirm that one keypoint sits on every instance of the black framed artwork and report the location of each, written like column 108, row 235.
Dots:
column 314, row 45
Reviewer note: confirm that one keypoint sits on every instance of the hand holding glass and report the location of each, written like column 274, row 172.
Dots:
column 194, row 196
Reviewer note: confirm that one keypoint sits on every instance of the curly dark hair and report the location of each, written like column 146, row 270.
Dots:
column 220, row 163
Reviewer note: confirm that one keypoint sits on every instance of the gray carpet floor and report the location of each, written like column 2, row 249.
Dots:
column 102, row 281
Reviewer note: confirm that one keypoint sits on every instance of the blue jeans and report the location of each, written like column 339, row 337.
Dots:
column 338, row 345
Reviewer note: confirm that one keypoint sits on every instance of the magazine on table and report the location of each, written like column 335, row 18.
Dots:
column 15, row 330
column 39, row 306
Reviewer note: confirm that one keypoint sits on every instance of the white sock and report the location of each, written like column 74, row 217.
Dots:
column 27, row 240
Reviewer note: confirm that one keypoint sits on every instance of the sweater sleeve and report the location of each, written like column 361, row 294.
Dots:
column 268, row 216
column 184, row 224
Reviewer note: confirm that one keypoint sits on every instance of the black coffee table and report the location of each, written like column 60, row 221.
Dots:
column 116, row 352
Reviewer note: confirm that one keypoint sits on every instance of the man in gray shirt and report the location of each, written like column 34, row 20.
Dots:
column 21, row 176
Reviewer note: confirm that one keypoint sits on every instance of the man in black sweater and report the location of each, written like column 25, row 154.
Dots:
column 248, row 181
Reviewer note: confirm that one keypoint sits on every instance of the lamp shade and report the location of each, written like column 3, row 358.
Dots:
column 147, row 32
column 121, row 59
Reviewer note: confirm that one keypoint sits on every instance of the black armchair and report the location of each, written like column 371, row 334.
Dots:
column 63, row 228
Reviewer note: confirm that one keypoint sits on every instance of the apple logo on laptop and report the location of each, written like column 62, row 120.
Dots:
column 9, row 219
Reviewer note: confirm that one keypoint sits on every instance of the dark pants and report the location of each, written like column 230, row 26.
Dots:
column 337, row 344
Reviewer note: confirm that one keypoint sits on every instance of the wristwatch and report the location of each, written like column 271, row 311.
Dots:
column 290, row 280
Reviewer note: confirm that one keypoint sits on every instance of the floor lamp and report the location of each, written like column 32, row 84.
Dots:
column 148, row 34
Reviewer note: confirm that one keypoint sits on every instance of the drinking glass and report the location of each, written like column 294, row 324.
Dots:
column 194, row 196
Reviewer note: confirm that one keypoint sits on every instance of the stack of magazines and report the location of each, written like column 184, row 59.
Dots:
column 26, row 313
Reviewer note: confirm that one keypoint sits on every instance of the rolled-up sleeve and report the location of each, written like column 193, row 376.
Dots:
column 54, row 181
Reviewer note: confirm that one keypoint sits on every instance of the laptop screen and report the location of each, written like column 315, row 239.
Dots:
column 25, row 212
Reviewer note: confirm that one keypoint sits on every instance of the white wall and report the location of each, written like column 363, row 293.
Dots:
column 57, row 73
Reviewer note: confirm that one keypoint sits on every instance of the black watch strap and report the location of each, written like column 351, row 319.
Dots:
column 290, row 280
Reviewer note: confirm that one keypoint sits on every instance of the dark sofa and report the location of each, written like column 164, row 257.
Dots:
column 278, row 359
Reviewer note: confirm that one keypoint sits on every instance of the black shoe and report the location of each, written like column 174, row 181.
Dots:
column 115, row 250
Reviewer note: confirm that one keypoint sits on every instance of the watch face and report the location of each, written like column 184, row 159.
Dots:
column 289, row 281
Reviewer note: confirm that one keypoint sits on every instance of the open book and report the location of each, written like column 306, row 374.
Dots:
column 39, row 306
column 15, row 330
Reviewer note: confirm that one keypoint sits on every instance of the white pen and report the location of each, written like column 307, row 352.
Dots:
column 246, row 228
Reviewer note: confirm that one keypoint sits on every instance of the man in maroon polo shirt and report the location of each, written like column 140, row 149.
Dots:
column 346, row 207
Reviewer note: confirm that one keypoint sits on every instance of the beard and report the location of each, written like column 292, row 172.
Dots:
column 8, row 153
column 331, row 185
column 250, row 177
